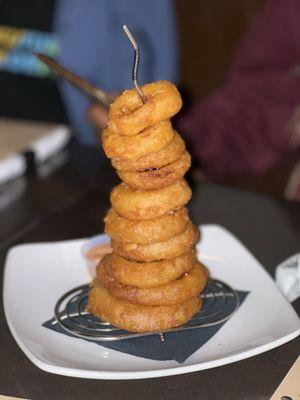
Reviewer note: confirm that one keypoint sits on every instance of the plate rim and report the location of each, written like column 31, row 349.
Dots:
column 154, row 373
column 135, row 374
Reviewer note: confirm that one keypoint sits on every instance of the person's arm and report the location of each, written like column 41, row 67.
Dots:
column 242, row 129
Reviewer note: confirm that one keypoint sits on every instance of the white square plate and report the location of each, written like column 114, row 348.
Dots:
column 36, row 275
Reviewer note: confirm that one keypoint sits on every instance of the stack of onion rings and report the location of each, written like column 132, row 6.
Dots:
column 152, row 280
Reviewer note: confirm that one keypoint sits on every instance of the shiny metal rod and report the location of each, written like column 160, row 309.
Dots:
column 136, row 63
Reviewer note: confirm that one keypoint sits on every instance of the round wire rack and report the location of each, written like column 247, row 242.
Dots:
column 220, row 301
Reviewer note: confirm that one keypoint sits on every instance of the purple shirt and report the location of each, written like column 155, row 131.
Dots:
column 242, row 129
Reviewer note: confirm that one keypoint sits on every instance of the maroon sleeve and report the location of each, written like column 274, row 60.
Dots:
column 242, row 128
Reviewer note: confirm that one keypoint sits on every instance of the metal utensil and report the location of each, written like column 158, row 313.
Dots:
column 135, row 68
column 220, row 301
column 93, row 91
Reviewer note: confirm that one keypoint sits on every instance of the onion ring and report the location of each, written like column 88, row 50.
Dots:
column 138, row 204
column 146, row 275
column 157, row 178
column 129, row 116
column 138, row 318
column 170, row 248
column 176, row 292
column 170, row 153
column 152, row 139
column 145, row 231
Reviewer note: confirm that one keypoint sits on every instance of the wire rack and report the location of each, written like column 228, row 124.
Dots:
column 220, row 301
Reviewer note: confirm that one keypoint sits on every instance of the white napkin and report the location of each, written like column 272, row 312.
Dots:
column 11, row 166
column 18, row 136
column 46, row 146
column 287, row 276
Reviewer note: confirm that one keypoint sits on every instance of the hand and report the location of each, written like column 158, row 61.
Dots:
column 97, row 115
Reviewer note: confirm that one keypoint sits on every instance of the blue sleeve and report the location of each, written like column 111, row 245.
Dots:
column 94, row 46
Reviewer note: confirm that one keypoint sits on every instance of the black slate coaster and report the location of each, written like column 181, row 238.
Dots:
column 177, row 346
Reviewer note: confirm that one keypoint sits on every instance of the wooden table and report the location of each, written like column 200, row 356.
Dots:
column 70, row 202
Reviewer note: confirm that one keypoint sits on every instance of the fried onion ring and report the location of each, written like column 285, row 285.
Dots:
column 145, row 231
column 152, row 139
column 189, row 285
column 138, row 318
column 137, row 204
column 157, row 178
column 147, row 275
column 165, row 156
column 129, row 116
column 170, row 248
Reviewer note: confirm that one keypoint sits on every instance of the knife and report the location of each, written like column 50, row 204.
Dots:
column 93, row 91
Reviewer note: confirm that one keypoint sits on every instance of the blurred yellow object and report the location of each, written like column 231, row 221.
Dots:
column 10, row 398
column 289, row 388
column 10, row 36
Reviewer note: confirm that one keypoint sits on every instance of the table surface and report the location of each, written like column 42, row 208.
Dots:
column 67, row 198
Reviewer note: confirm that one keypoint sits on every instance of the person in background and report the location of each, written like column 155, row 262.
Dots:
column 252, row 123
column 86, row 37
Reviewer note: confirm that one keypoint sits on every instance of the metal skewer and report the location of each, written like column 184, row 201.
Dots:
column 93, row 91
column 135, row 64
